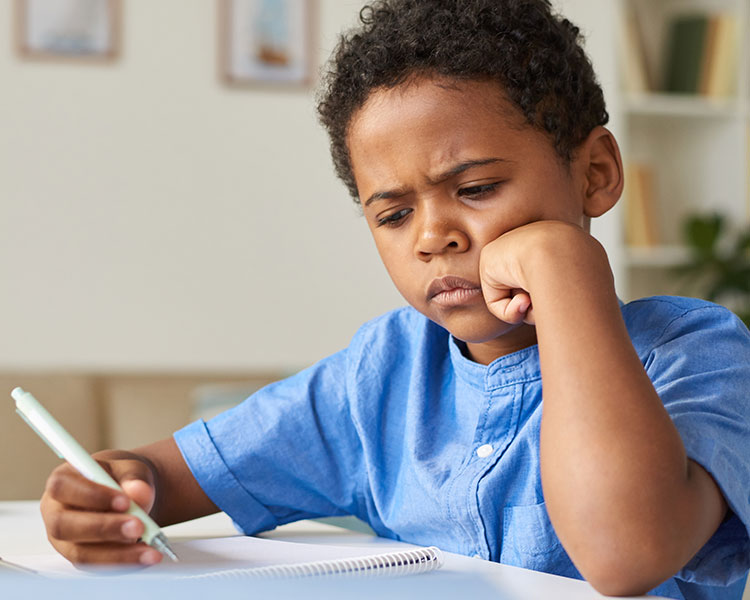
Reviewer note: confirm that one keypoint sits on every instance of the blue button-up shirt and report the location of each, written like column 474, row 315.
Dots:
column 403, row 431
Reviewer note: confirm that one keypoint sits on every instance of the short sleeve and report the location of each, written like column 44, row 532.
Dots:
column 700, row 367
column 288, row 452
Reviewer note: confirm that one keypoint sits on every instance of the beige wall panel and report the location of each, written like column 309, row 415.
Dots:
column 26, row 460
column 141, row 410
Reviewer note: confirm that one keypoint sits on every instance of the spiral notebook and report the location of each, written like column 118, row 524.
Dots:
column 239, row 556
column 408, row 562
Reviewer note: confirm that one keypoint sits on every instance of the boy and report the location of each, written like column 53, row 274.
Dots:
column 471, row 131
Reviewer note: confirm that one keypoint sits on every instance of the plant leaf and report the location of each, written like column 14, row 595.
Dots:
column 702, row 232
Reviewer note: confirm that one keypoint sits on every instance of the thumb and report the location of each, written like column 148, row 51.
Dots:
column 136, row 480
column 141, row 492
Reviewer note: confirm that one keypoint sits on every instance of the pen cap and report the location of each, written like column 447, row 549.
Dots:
column 22, row 403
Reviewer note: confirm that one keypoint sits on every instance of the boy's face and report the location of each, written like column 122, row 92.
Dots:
column 443, row 168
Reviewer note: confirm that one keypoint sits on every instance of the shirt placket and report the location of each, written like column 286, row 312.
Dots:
column 495, row 430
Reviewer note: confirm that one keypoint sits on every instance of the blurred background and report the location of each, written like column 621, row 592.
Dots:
column 172, row 235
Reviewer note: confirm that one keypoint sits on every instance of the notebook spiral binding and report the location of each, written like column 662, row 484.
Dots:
column 409, row 562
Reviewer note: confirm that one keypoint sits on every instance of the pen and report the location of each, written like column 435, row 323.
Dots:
column 67, row 448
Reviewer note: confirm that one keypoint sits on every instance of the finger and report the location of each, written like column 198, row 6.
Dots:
column 72, row 489
column 499, row 308
column 109, row 554
column 511, row 310
column 515, row 310
column 80, row 527
column 530, row 316
column 519, row 306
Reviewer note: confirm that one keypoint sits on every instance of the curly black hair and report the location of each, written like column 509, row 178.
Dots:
column 535, row 55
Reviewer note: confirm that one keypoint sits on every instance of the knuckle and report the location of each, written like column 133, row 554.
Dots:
column 55, row 484
column 107, row 529
column 55, row 527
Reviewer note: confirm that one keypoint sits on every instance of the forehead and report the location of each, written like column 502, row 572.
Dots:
column 434, row 122
column 420, row 99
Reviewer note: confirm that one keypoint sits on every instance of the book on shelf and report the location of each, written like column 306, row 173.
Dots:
column 634, row 66
column 641, row 230
column 720, row 76
column 687, row 42
column 702, row 55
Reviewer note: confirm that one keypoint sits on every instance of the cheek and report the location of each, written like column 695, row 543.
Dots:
column 487, row 226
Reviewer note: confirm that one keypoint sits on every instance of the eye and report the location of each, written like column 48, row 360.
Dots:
column 394, row 219
column 476, row 192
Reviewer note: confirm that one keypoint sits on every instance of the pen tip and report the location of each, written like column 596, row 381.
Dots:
column 160, row 543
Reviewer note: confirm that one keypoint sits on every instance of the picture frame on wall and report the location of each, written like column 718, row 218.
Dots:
column 267, row 42
column 79, row 30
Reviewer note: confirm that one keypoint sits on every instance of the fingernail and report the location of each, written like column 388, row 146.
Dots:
column 120, row 503
column 150, row 557
column 130, row 530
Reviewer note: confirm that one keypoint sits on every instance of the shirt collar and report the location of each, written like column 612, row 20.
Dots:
column 522, row 365
column 516, row 367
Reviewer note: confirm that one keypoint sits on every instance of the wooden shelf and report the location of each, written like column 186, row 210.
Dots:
column 657, row 256
column 688, row 106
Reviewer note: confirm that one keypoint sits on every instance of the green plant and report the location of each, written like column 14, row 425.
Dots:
column 719, row 265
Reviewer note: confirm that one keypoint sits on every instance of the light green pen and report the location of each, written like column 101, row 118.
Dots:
column 67, row 448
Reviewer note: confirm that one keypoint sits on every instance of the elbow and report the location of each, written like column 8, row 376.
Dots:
column 614, row 583
column 620, row 572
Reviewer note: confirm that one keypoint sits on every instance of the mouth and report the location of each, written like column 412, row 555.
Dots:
column 450, row 291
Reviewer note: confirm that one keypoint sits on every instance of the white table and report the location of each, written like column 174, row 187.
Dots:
column 22, row 532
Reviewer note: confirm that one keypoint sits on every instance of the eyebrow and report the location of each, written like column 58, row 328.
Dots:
column 444, row 176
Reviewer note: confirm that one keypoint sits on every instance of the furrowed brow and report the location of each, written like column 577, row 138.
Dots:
column 452, row 172
column 464, row 166
column 386, row 195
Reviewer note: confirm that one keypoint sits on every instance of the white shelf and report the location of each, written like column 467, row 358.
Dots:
column 695, row 146
column 656, row 256
column 689, row 106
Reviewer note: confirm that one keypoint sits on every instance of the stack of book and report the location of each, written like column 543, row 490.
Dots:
column 701, row 56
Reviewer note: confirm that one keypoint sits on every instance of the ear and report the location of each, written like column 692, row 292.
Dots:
column 600, row 163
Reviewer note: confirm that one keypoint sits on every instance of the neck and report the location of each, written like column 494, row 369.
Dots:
column 519, row 338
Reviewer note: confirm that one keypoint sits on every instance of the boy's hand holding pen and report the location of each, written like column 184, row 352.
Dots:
column 98, row 509
column 88, row 523
column 81, row 496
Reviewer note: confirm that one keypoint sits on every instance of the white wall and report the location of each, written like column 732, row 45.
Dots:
column 151, row 218
column 599, row 24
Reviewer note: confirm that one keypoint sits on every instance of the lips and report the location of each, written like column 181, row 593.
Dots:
column 453, row 291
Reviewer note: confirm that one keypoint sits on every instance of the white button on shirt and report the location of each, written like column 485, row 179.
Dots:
column 484, row 451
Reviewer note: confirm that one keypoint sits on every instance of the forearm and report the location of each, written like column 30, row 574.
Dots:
column 617, row 481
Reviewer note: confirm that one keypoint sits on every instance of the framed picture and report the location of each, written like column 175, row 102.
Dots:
column 69, row 29
column 267, row 42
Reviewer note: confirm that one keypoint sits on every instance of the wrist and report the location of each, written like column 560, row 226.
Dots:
column 566, row 260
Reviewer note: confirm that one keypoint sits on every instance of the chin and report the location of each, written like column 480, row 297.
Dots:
column 477, row 329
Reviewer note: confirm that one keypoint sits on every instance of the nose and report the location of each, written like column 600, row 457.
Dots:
column 439, row 232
